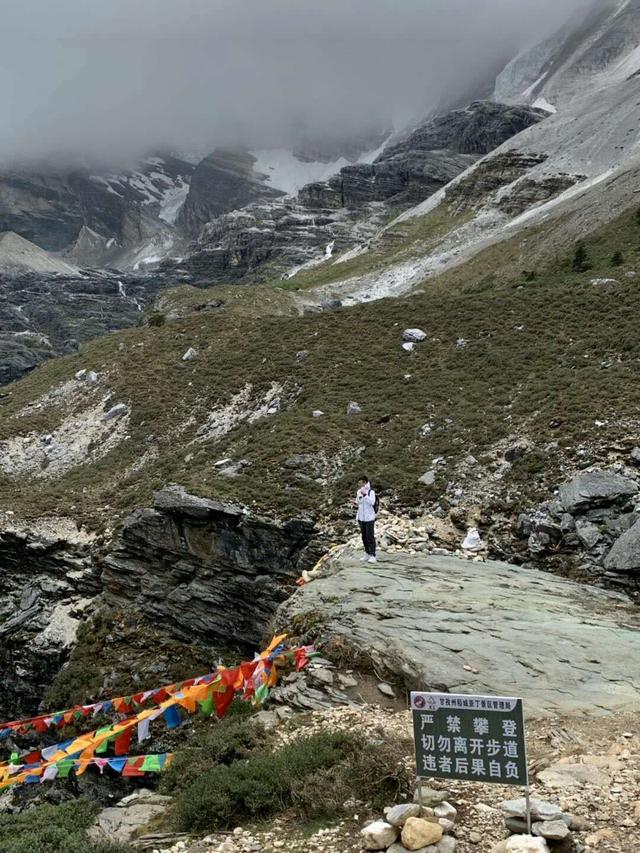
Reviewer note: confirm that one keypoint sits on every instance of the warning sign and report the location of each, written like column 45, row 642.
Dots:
column 476, row 738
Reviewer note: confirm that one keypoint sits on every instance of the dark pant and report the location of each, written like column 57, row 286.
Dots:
column 367, row 529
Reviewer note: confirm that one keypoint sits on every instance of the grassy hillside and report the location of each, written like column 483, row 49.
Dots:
column 507, row 354
column 395, row 244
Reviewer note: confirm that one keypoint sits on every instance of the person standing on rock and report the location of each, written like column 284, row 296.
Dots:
column 366, row 517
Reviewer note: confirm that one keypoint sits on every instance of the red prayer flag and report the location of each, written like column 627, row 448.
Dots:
column 222, row 701
column 132, row 768
column 122, row 742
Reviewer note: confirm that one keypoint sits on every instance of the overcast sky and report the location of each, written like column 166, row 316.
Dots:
column 113, row 78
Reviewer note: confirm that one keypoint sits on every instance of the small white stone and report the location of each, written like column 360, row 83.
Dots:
column 445, row 810
column 378, row 835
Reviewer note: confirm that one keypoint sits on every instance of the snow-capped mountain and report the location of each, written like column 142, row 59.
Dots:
column 93, row 216
column 134, row 218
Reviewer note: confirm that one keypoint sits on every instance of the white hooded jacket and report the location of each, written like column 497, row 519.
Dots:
column 366, row 503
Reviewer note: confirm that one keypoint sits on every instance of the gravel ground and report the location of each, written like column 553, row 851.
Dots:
column 591, row 769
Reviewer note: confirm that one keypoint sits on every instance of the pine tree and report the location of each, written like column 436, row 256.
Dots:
column 617, row 259
column 581, row 261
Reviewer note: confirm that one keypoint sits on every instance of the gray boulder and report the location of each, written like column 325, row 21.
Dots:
column 625, row 554
column 567, row 523
column 190, row 354
column 115, row 412
column 428, row 479
column 353, row 408
column 430, row 797
column 538, row 543
column 595, row 488
column 588, row 533
column 541, row 810
column 635, row 456
column 378, row 835
column 124, row 821
column 408, row 624
column 556, row 830
column 299, row 460
column 414, row 335
column 398, row 815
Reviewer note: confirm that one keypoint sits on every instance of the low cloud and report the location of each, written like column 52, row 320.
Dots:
column 111, row 80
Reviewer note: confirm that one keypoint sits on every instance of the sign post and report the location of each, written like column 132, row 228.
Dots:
column 473, row 738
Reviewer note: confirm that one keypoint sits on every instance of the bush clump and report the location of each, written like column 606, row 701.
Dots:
column 313, row 775
column 233, row 738
column 54, row 829
column 581, row 261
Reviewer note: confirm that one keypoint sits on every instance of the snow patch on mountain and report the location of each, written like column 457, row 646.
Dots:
column 596, row 50
column 284, row 171
column 172, row 200
column 157, row 182
column 543, row 104
column 520, row 78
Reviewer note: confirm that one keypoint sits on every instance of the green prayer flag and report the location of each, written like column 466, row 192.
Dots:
column 64, row 767
column 262, row 692
column 100, row 750
column 207, row 706
column 151, row 763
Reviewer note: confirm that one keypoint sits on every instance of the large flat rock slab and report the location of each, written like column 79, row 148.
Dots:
column 448, row 624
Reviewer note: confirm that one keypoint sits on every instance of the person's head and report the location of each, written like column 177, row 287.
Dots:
column 363, row 481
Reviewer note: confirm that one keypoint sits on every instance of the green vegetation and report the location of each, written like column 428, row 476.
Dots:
column 230, row 739
column 54, row 829
column 581, row 261
column 113, row 645
column 408, row 239
column 547, row 357
column 617, row 259
column 313, row 776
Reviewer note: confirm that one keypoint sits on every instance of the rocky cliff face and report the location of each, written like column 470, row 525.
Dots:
column 222, row 182
column 44, row 315
column 593, row 50
column 595, row 522
column 265, row 240
column 50, row 206
column 428, row 158
column 207, row 570
column 327, row 217
column 47, row 583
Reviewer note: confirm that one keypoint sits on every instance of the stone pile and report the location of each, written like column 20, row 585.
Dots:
column 548, row 822
column 430, row 534
column 414, row 827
